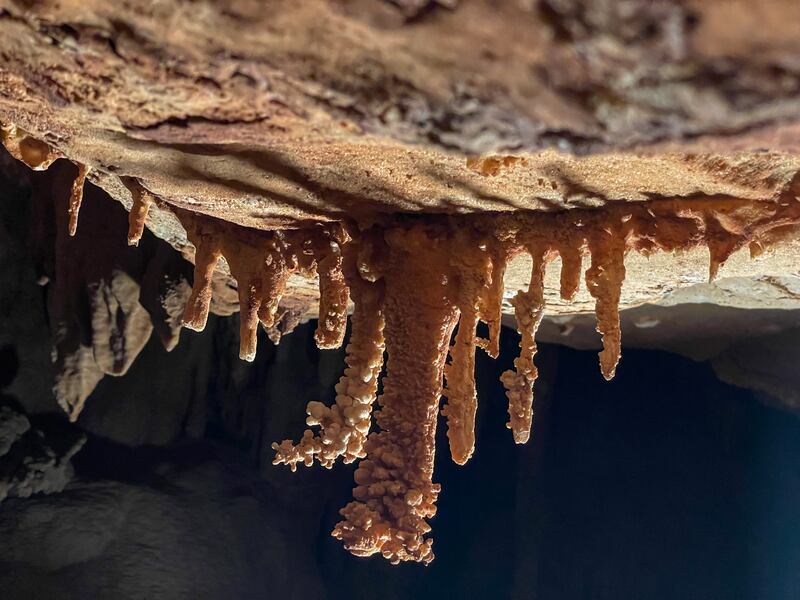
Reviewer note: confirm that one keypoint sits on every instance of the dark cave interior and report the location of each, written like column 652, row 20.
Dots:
column 663, row 483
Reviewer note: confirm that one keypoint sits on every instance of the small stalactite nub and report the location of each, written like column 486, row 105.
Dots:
column 206, row 257
column 142, row 199
column 571, row 260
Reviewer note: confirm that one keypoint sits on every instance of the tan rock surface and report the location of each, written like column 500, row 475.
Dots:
column 266, row 114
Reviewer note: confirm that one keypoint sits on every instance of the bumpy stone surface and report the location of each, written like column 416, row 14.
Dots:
column 264, row 114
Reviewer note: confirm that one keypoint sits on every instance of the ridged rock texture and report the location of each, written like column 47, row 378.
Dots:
column 429, row 166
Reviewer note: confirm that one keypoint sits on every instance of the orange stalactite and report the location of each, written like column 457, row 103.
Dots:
column 471, row 267
column 333, row 293
column 491, row 301
column 207, row 254
column 604, row 280
column 529, row 311
column 395, row 494
column 343, row 427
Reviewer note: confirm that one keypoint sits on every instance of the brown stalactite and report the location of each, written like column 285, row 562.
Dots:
column 395, row 494
column 604, row 281
column 343, row 427
column 207, row 254
column 261, row 272
column 529, row 311
column 333, row 294
column 472, row 270
column 137, row 217
column 76, row 198
column 491, row 302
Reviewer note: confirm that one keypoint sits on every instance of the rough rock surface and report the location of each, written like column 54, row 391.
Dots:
column 268, row 114
column 33, row 461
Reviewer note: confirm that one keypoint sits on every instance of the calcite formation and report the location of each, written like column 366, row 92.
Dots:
column 414, row 281
column 324, row 145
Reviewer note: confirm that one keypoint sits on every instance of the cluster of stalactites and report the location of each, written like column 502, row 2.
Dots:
column 395, row 494
column 343, row 427
column 437, row 276
column 411, row 286
column 262, row 262
column 722, row 225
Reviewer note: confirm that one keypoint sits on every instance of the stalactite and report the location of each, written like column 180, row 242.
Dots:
column 395, row 494
column 491, row 301
column 261, row 273
column 343, row 427
column 604, row 281
column 472, row 269
column 529, row 311
column 333, row 293
column 76, row 198
column 142, row 199
column 207, row 255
